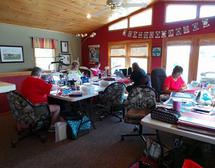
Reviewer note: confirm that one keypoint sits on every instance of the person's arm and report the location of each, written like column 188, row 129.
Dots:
column 166, row 87
column 183, row 85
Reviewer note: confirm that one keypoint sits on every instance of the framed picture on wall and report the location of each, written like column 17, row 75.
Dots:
column 156, row 51
column 64, row 46
column 93, row 53
column 11, row 54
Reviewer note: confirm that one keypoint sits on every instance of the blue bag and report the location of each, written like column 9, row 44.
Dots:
column 78, row 126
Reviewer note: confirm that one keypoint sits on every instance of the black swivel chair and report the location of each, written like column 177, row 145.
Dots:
column 158, row 76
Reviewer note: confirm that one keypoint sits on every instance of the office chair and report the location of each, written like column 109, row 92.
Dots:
column 87, row 72
column 30, row 118
column 140, row 101
column 158, row 76
column 111, row 100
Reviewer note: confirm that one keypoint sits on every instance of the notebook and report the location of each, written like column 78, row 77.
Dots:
column 202, row 123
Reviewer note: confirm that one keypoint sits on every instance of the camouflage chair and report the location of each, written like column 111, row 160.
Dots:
column 140, row 101
column 112, row 98
column 32, row 117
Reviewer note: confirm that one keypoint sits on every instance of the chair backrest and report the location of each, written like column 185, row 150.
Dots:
column 114, row 93
column 24, row 112
column 87, row 72
column 141, row 97
column 158, row 76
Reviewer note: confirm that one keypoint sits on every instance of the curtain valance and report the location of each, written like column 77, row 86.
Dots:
column 44, row 43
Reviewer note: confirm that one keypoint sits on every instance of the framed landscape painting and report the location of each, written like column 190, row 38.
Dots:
column 11, row 54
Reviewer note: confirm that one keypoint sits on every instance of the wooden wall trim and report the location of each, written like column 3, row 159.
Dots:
column 22, row 73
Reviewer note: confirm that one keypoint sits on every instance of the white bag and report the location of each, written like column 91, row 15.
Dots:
column 60, row 131
column 153, row 149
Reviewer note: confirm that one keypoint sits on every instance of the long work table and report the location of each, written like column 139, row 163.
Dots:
column 171, row 128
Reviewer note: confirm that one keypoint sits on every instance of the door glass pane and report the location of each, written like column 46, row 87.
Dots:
column 117, row 63
column 206, row 60
column 139, row 51
column 178, row 55
column 142, row 62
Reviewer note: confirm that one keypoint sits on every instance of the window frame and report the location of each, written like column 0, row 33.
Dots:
column 53, row 57
column 196, row 42
column 199, row 12
column 127, row 56
column 117, row 22
column 139, row 13
column 174, row 22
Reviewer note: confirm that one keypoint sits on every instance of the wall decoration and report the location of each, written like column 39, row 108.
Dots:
column 186, row 29
column 179, row 31
column 163, row 34
column 171, row 33
column 157, row 34
column 64, row 46
column 93, row 53
column 11, row 54
column 66, row 60
column 195, row 26
column 156, row 51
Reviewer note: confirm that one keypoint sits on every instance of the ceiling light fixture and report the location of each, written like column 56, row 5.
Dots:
column 83, row 35
column 89, row 16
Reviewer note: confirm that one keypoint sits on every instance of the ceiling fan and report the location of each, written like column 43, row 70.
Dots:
column 117, row 6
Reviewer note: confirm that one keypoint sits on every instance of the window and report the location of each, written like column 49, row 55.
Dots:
column 176, row 13
column 206, row 60
column 117, row 60
column 123, row 24
column 178, row 55
column 207, row 11
column 196, row 55
column 139, row 54
column 44, row 57
column 141, row 19
column 123, row 55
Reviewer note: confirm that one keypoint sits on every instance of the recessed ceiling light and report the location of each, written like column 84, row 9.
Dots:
column 89, row 16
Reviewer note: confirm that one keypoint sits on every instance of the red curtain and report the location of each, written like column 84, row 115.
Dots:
column 44, row 43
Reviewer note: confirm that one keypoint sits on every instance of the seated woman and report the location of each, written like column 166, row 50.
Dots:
column 138, row 77
column 174, row 82
column 74, row 74
column 95, row 70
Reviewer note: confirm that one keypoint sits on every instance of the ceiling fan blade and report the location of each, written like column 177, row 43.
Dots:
column 95, row 4
column 127, row 5
column 101, row 11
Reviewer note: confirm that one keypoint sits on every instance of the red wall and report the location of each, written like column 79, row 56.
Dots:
column 103, row 36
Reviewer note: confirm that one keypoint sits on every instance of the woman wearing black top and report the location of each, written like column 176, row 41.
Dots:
column 138, row 77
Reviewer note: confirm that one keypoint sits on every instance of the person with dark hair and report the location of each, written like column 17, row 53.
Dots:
column 95, row 70
column 138, row 77
column 37, row 90
column 174, row 82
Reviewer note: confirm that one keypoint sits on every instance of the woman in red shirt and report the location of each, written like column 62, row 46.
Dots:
column 36, row 91
column 175, row 83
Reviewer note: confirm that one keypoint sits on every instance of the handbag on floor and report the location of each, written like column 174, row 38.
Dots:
column 79, row 126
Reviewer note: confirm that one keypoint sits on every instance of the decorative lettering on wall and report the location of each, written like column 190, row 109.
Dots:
column 179, row 31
